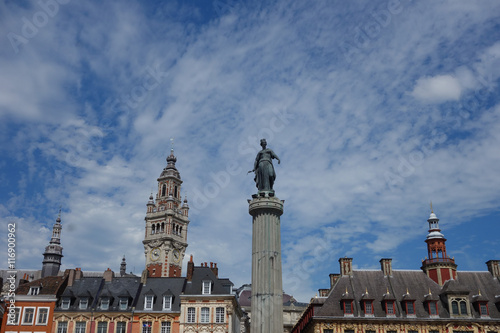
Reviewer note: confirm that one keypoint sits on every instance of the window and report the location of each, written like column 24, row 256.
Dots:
column 121, row 327
column 410, row 308
column 146, row 326
column 368, row 307
column 123, row 303
column 483, row 309
column 65, row 303
column 148, row 302
column 42, row 317
column 102, row 327
column 80, row 327
column 433, row 311
column 347, row 307
column 167, row 303
column 191, row 315
column 369, row 331
column 348, row 331
column 34, row 291
column 29, row 314
column 207, row 286
column 327, row 331
column 104, row 303
column 205, row 315
column 165, row 327
column 13, row 318
column 389, row 308
column 84, row 302
column 459, row 307
column 220, row 315
column 62, row 327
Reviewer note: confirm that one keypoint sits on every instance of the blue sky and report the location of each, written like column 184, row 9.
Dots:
column 375, row 108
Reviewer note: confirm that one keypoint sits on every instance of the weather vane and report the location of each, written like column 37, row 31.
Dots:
column 432, row 210
column 172, row 143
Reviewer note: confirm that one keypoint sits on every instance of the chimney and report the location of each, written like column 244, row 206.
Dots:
column 78, row 273
column 190, row 269
column 494, row 268
column 345, row 266
column 386, row 266
column 333, row 279
column 214, row 268
column 323, row 292
column 108, row 275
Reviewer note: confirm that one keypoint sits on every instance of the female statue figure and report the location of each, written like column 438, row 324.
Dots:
column 263, row 168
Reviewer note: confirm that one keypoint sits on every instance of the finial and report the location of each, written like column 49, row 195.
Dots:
column 60, row 208
column 346, row 290
column 479, row 292
column 172, row 144
column 432, row 210
column 366, row 291
column 387, row 290
column 407, row 292
column 430, row 293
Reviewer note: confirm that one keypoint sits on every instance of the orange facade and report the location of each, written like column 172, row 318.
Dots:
column 29, row 316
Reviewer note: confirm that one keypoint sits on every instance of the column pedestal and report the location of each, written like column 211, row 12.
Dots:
column 267, row 287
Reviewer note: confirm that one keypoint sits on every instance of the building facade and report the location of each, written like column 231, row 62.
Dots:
column 436, row 299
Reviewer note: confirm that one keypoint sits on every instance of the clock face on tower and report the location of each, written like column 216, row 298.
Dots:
column 177, row 256
column 155, row 254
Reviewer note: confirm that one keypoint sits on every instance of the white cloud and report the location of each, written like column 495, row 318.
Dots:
column 437, row 89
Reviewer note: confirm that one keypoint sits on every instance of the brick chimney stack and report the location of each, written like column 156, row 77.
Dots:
column 333, row 279
column 345, row 266
column 386, row 266
column 190, row 269
column 494, row 268
column 215, row 270
column 108, row 275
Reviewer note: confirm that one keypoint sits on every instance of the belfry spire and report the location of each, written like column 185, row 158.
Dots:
column 53, row 252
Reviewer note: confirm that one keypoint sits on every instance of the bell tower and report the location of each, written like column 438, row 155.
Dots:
column 53, row 252
column 438, row 266
column 165, row 238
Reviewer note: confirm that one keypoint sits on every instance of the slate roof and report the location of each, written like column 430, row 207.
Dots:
column 410, row 286
column 200, row 274
column 84, row 287
column 160, row 287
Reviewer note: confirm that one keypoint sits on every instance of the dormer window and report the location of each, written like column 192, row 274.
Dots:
column 65, row 302
column 84, row 303
column 104, row 303
column 368, row 308
column 123, row 303
column 389, row 308
column 483, row 309
column 410, row 308
column 347, row 305
column 34, row 291
column 459, row 306
column 148, row 302
column 167, row 303
column 207, row 287
column 432, row 308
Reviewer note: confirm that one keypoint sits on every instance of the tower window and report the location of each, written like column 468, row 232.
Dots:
column 163, row 190
column 175, row 192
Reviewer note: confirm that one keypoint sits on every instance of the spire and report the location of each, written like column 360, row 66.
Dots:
column 53, row 252
column 123, row 266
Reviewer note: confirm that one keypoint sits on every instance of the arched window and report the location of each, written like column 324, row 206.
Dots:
column 454, row 307
column 180, row 231
column 463, row 308
column 162, row 228
column 153, row 229
column 163, row 190
column 175, row 192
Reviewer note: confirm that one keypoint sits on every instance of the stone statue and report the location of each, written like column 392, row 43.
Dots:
column 263, row 168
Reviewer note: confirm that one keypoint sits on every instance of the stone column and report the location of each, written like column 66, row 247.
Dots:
column 267, row 289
